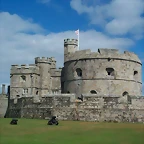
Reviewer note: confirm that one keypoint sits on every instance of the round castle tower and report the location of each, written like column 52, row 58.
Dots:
column 106, row 72
column 70, row 46
column 44, row 65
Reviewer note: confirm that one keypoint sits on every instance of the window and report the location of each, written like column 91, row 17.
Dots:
column 127, row 96
column 23, row 78
column 79, row 72
column 129, row 99
column 93, row 92
column 68, row 92
column 25, row 91
column 135, row 73
column 110, row 71
column 125, row 93
column 109, row 59
column 36, row 92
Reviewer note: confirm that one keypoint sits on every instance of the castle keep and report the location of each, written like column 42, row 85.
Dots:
column 104, row 72
column 95, row 86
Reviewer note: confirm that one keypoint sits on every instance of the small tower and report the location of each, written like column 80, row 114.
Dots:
column 70, row 46
column 44, row 65
column 3, row 89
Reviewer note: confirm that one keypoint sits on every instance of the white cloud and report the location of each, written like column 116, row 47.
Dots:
column 18, row 46
column 118, row 17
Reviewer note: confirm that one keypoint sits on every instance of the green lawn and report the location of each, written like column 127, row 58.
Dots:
column 32, row 131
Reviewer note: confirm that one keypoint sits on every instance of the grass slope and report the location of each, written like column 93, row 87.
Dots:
column 32, row 131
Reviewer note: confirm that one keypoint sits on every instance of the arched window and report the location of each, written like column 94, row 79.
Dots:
column 135, row 74
column 93, row 92
column 110, row 71
column 36, row 92
column 125, row 93
column 79, row 72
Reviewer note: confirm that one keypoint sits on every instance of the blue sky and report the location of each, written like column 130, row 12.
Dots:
column 32, row 28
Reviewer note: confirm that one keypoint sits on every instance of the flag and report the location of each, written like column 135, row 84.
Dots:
column 77, row 32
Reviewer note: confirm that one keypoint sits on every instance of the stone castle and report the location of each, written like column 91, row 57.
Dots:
column 92, row 86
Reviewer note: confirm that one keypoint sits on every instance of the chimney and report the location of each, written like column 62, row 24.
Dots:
column 3, row 89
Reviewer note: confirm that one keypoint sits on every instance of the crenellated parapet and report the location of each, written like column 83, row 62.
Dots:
column 42, row 60
column 70, row 46
column 70, row 42
column 24, row 69
column 102, row 53
column 52, row 59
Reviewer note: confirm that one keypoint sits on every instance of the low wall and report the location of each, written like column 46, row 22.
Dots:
column 3, row 105
column 67, row 107
column 116, row 109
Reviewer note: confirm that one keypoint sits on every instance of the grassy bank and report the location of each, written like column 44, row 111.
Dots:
column 32, row 131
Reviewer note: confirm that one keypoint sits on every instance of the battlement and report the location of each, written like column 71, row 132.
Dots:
column 106, row 51
column 52, row 59
column 70, row 42
column 42, row 60
column 103, row 53
column 23, row 68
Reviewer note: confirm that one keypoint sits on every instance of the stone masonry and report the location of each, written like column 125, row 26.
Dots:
column 66, row 107
column 3, row 102
column 109, row 84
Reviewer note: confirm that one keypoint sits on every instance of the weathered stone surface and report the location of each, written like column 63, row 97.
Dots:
column 3, row 105
column 106, row 72
column 92, row 108
column 108, row 81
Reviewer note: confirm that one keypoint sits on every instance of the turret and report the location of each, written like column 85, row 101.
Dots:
column 70, row 46
column 44, row 65
column 42, row 60
column 3, row 89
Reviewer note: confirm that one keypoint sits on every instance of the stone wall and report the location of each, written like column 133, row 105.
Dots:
column 98, row 108
column 67, row 107
column 24, row 80
column 105, row 72
column 3, row 105
column 40, row 78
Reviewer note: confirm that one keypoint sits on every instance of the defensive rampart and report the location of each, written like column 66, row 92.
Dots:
column 67, row 107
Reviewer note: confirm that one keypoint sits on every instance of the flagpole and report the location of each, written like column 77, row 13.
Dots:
column 78, row 40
